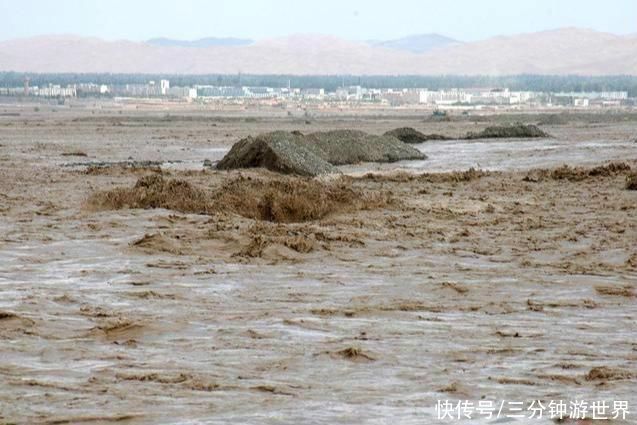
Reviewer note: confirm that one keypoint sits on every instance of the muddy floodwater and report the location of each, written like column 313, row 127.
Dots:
column 515, row 281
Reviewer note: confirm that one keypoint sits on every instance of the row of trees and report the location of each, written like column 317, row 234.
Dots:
column 544, row 83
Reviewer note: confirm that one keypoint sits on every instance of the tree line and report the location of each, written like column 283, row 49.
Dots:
column 539, row 83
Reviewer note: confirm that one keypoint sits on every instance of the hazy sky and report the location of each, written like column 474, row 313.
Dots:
column 352, row 19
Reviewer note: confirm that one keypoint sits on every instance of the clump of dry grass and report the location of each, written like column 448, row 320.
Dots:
column 278, row 200
column 631, row 181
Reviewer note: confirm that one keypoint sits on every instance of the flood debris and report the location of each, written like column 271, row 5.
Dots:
column 411, row 135
column 5, row 315
column 459, row 288
column 605, row 373
column 157, row 242
column 448, row 177
column 522, row 131
column 316, row 153
column 631, row 182
column 154, row 191
column 576, row 174
column 106, row 165
column 617, row 291
column 74, row 153
column 274, row 199
column 290, row 200
column 355, row 354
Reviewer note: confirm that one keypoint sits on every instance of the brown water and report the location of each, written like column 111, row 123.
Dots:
column 486, row 289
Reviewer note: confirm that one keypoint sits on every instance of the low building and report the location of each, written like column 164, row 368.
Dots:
column 55, row 91
column 581, row 102
column 182, row 92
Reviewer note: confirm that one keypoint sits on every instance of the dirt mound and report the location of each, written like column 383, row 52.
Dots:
column 508, row 131
column 278, row 151
column 315, row 153
column 411, row 135
column 280, row 200
column 341, row 147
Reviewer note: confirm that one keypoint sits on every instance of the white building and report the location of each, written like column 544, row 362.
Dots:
column 55, row 91
column 164, row 87
column 581, row 102
column 313, row 93
column 444, row 97
column 182, row 92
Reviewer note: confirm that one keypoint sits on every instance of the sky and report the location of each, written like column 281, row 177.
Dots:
column 466, row 20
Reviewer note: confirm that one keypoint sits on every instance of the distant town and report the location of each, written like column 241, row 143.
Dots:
column 475, row 98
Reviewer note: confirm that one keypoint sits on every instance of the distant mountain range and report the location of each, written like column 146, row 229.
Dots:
column 202, row 42
column 561, row 52
column 422, row 43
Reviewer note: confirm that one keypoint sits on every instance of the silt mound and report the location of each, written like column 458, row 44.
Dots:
column 316, row 153
column 411, row 135
column 509, row 131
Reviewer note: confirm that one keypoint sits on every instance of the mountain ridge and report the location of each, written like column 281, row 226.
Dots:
column 562, row 51
column 201, row 42
column 417, row 43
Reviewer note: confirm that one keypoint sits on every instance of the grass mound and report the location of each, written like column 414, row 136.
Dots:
column 631, row 181
column 279, row 200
